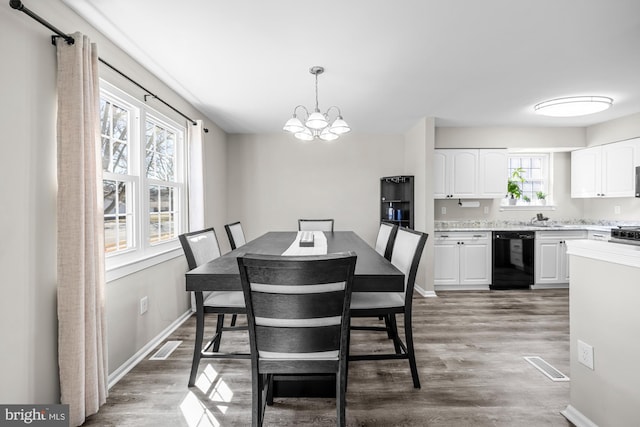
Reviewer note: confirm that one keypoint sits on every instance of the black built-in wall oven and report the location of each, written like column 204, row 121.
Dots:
column 513, row 260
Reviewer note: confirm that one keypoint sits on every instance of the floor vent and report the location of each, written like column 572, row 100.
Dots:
column 166, row 350
column 552, row 373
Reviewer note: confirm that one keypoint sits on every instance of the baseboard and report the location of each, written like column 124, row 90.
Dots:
column 424, row 293
column 462, row 287
column 550, row 286
column 122, row 370
column 577, row 417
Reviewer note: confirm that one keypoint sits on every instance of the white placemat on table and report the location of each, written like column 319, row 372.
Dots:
column 319, row 245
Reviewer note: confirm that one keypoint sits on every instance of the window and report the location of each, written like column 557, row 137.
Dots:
column 143, row 167
column 534, row 170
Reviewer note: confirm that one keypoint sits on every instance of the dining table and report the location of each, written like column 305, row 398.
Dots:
column 373, row 273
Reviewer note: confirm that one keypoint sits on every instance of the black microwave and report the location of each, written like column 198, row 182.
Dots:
column 637, row 181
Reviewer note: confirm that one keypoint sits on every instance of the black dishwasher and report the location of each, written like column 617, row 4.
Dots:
column 512, row 260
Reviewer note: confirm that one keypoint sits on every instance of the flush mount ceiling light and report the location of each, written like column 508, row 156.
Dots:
column 316, row 124
column 573, row 106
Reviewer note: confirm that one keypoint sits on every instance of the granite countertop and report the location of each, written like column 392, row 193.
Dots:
column 525, row 225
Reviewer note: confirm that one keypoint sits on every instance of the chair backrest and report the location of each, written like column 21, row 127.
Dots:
column 200, row 246
column 315, row 224
column 235, row 234
column 407, row 250
column 386, row 236
column 297, row 306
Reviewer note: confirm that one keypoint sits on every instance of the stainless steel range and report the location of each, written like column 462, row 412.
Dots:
column 629, row 235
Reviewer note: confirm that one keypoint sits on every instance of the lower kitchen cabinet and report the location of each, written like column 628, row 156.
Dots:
column 462, row 260
column 551, row 259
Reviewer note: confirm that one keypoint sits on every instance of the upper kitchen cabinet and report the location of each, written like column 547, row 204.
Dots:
column 470, row 173
column 604, row 171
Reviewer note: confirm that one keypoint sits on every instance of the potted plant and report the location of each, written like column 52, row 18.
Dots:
column 514, row 191
column 542, row 197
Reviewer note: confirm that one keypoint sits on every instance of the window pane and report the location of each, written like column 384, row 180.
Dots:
column 536, row 174
column 117, row 216
column 105, row 117
column 154, row 199
column 170, row 144
column 120, row 155
column 160, row 140
column 165, row 199
column 149, row 161
column 120, row 123
column 166, row 226
column 110, row 199
column 105, row 150
column 154, row 227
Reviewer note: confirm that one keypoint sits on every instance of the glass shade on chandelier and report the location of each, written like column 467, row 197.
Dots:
column 309, row 126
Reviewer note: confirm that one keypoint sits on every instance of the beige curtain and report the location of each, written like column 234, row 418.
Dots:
column 195, row 138
column 82, row 353
column 196, row 176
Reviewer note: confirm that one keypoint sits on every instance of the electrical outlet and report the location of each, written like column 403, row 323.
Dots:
column 443, row 210
column 585, row 354
column 616, row 210
column 144, row 305
column 486, row 210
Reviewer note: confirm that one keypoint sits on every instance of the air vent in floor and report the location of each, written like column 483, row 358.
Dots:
column 552, row 373
column 166, row 350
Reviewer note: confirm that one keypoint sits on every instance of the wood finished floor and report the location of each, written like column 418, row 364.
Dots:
column 469, row 347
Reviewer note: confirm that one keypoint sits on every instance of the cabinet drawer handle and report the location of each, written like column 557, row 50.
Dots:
column 477, row 235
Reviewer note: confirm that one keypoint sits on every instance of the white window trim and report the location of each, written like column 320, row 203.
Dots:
column 146, row 254
column 534, row 205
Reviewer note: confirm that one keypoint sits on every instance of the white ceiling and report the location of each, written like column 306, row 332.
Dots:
column 245, row 63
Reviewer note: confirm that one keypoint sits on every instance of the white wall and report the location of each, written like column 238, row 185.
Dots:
column 274, row 179
column 28, row 320
column 419, row 143
column 556, row 138
column 28, row 367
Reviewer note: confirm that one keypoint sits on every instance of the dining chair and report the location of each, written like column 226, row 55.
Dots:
column 235, row 234
column 407, row 250
column 384, row 241
column 298, row 315
column 199, row 248
column 315, row 224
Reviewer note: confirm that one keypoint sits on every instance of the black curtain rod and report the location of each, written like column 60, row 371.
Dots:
column 18, row 5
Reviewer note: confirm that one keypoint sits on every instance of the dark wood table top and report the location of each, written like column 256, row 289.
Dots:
column 373, row 272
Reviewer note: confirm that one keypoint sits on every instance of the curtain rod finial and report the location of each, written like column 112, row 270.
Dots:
column 16, row 4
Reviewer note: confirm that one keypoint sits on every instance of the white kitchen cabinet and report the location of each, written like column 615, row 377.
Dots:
column 455, row 174
column 462, row 260
column 470, row 173
column 493, row 173
column 552, row 262
column 604, row 171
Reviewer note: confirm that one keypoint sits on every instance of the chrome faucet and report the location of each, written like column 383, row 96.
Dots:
column 539, row 217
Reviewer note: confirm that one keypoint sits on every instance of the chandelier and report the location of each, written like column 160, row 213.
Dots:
column 316, row 124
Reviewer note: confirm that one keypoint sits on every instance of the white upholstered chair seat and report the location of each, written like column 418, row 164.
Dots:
column 372, row 300
column 225, row 299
